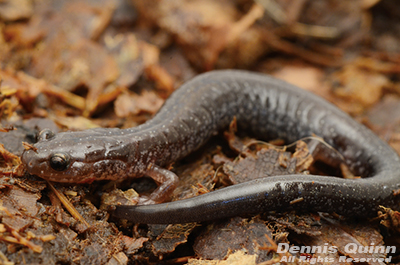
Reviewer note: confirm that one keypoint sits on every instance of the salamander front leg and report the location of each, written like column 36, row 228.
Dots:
column 167, row 180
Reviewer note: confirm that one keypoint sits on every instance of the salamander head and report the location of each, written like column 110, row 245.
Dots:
column 72, row 157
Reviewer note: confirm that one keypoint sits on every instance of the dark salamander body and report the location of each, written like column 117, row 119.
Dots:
column 264, row 106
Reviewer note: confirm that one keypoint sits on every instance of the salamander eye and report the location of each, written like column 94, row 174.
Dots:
column 59, row 161
column 45, row 134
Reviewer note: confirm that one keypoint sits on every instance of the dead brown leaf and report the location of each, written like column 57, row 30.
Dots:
column 358, row 87
column 168, row 237
column 132, row 104
column 11, row 10
column 269, row 162
column 220, row 240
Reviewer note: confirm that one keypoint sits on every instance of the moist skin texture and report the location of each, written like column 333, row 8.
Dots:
column 265, row 107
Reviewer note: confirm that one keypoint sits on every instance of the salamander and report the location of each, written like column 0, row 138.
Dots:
column 263, row 106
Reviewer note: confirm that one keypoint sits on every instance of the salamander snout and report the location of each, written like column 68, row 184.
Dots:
column 31, row 158
column 39, row 160
column 62, row 157
column 26, row 159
